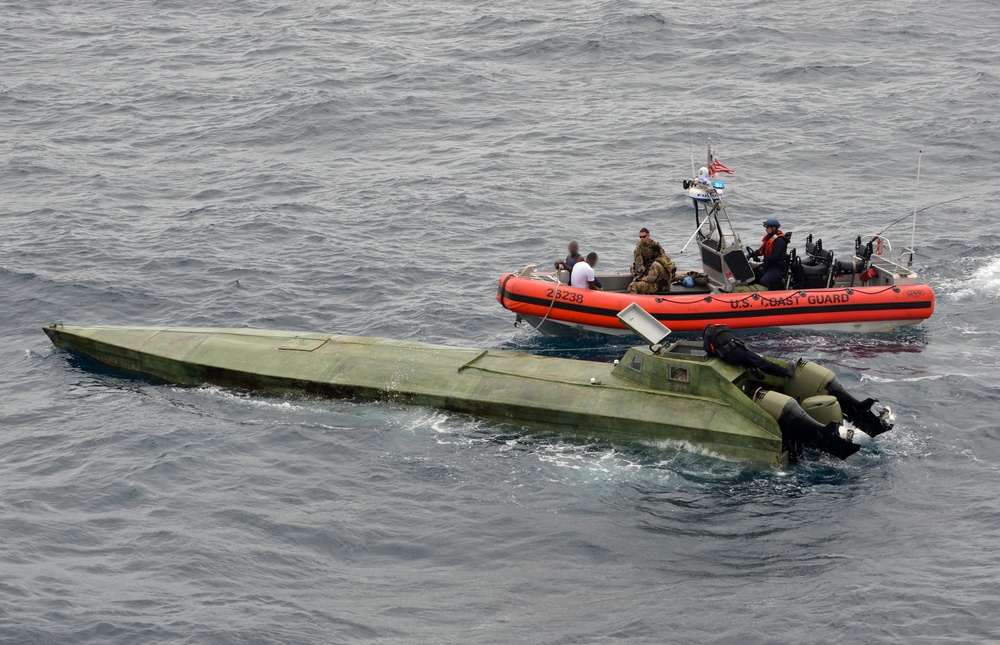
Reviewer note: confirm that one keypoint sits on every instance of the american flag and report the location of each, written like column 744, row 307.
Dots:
column 716, row 167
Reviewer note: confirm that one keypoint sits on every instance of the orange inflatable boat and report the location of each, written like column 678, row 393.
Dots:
column 868, row 291
column 549, row 305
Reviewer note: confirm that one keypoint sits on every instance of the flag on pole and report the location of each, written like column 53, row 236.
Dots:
column 716, row 167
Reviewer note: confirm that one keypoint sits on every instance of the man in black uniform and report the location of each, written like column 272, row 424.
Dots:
column 720, row 341
column 773, row 256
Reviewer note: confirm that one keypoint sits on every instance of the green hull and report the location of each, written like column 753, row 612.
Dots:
column 674, row 395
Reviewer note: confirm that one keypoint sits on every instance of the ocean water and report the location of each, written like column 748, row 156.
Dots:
column 371, row 168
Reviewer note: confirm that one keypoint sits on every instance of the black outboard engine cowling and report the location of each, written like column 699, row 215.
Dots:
column 860, row 413
column 798, row 429
column 811, row 379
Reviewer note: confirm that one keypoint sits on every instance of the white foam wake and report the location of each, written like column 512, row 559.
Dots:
column 983, row 282
column 905, row 379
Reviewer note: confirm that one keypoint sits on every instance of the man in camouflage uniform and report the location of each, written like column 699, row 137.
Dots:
column 638, row 261
column 658, row 270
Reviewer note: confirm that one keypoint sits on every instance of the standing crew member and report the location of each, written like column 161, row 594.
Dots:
column 583, row 276
column 720, row 341
column 773, row 257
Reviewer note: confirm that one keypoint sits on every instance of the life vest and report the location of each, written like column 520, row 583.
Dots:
column 767, row 244
column 719, row 340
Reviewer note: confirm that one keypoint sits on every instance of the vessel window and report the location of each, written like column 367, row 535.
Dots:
column 680, row 374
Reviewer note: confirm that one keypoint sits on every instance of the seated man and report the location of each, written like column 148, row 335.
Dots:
column 720, row 341
column 571, row 259
column 658, row 272
column 638, row 262
column 773, row 257
column 583, row 276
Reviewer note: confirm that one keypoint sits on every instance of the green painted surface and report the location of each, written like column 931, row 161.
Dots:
column 670, row 396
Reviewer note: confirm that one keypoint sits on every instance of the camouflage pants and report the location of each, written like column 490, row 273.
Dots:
column 643, row 287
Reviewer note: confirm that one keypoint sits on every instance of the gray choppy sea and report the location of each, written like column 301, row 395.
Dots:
column 371, row 168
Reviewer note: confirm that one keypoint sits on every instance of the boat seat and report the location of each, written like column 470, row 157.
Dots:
column 815, row 272
column 809, row 270
column 813, row 248
column 816, row 276
column 615, row 282
column 791, row 272
column 853, row 265
column 819, row 257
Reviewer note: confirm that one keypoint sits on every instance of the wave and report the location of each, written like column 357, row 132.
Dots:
column 983, row 282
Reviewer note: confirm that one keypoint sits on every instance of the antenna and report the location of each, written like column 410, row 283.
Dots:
column 913, row 228
column 696, row 230
column 687, row 123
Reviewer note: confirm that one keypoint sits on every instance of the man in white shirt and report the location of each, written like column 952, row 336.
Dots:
column 583, row 276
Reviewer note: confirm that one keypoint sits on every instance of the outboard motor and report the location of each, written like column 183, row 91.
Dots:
column 811, row 379
column 801, row 430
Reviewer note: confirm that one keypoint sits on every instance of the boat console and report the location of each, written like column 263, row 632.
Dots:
column 725, row 260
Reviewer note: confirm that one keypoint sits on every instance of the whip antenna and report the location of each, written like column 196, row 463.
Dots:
column 687, row 124
column 913, row 228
